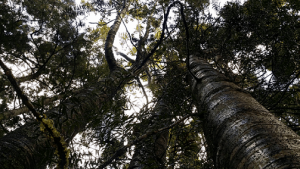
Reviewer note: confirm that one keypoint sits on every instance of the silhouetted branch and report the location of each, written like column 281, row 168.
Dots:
column 123, row 150
column 58, row 140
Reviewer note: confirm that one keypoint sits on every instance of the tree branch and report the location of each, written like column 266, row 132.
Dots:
column 112, row 64
column 144, row 92
column 123, row 150
column 142, row 41
column 61, row 146
column 12, row 113
column 163, row 34
column 126, row 57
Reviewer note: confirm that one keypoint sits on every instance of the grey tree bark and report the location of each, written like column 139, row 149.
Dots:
column 239, row 131
column 28, row 147
column 152, row 152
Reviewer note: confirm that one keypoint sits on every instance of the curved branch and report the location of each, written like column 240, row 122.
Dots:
column 163, row 34
column 40, row 70
column 112, row 64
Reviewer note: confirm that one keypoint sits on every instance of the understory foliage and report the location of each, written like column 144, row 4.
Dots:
column 59, row 59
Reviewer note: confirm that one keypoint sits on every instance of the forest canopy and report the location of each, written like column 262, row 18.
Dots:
column 220, row 89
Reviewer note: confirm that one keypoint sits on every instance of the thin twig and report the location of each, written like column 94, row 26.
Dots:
column 141, row 85
column 47, row 123
column 122, row 150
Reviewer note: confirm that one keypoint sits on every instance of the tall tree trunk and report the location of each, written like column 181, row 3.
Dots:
column 27, row 146
column 239, row 131
column 152, row 153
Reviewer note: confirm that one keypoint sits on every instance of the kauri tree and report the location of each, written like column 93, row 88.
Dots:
column 221, row 92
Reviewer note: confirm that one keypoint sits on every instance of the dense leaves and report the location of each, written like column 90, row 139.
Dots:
column 55, row 56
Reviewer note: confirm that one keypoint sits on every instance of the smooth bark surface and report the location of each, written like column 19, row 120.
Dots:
column 239, row 131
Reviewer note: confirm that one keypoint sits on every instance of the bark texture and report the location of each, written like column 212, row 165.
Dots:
column 239, row 131
column 109, row 56
column 152, row 153
column 28, row 147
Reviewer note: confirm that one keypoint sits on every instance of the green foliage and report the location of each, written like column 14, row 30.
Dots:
column 100, row 32
column 186, row 145
column 157, row 33
column 13, row 28
column 246, row 42
column 133, row 51
column 140, row 12
column 271, row 25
